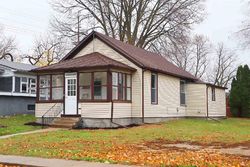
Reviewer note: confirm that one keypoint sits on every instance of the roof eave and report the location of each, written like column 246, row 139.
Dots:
column 84, row 68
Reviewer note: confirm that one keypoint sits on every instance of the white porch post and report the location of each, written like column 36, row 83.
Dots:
column 13, row 84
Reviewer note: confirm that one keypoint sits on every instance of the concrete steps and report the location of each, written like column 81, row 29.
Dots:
column 65, row 122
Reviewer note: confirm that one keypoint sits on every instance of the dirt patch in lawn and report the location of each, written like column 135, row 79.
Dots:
column 2, row 126
column 242, row 149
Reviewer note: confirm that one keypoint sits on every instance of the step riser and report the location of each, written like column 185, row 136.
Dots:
column 64, row 122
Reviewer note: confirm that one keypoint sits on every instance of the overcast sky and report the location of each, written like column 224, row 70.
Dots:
column 27, row 19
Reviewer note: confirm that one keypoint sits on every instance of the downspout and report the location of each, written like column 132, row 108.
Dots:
column 207, row 100
column 142, row 109
column 111, row 99
column 208, row 108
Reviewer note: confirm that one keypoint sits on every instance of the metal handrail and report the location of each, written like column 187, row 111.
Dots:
column 48, row 116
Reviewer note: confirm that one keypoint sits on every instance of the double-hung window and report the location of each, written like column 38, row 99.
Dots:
column 24, row 84
column 213, row 94
column 32, row 86
column 154, row 88
column 182, row 93
column 121, row 86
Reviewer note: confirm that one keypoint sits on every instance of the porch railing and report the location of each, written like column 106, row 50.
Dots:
column 50, row 115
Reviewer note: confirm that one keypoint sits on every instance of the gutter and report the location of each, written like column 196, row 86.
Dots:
column 142, row 109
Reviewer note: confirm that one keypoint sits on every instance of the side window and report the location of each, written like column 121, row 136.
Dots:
column 213, row 94
column 17, row 84
column 24, row 85
column 32, row 87
column 182, row 93
column 154, row 88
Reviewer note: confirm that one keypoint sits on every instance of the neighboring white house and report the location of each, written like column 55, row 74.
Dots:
column 17, row 88
column 108, row 83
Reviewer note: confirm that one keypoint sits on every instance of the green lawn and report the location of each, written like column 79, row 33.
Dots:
column 122, row 145
column 15, row 124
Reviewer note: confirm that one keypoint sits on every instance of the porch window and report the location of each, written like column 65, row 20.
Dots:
column 93, row 86
column 182, row 93
column 57, row 87
column 85, row 86
column 44, row 87
column 121, row 86
column 154, row 88
column 100, row 85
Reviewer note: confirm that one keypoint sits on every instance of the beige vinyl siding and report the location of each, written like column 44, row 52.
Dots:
column 98, row 46
column 42, row 108
column 196, row 100
column 103, row 110
column 122, row 110
column 217, row 108
column 168, row 97
column 95, row 110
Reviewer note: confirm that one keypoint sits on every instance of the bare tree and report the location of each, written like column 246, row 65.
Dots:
column 190, row 54
column 138, row 22
column 224, row 66
column 244, row 33
column 201, row 50
column 47, row 50
column 7, row 46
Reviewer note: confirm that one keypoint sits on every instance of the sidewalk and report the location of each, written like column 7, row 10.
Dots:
column 42, row 162
column 30, row 132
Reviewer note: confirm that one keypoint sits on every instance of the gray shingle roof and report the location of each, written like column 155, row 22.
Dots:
column 17, row 66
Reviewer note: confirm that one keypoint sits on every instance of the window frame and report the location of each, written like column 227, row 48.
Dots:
column 54, row 87
column 92, row 86
column 123, row 86
column 213, row 93
column 50, row 100
column 184, row 83
column 156, row 88
column 25, row 83
column 32, row 86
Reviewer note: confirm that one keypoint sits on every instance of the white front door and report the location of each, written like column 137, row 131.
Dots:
column 70, row 94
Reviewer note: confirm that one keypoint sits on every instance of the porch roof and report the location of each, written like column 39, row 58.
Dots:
column 89, row 61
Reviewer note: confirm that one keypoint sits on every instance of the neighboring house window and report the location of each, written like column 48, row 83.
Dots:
column 57, row 87
column 17, row 84
column 154, row 88
column 121, row 86
column 213, row 94
column 44, row 87
column 93, row 86
column 6, row 84
column 182, row 92
column 24, row 84
column 32, row 86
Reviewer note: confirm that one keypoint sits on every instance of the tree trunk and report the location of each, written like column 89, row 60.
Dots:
column 239, row 112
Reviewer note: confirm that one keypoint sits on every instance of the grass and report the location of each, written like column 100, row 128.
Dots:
column 16, row 124
column 95, row 145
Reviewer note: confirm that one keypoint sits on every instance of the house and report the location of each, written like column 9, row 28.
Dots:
column 17, row 88
column 107, row 83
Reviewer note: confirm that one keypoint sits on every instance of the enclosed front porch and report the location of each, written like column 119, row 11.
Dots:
column 89, row 91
